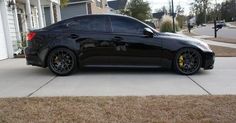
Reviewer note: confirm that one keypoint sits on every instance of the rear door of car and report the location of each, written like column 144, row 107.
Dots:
column 130, row 46
column 91, row 35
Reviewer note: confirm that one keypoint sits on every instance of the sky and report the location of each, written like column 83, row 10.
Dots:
column 156, row 4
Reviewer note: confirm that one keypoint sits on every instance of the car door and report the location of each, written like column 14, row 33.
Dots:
column 131, row 46
column 91, row 36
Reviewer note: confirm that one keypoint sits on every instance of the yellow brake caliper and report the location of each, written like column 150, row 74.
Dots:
column 181, row 61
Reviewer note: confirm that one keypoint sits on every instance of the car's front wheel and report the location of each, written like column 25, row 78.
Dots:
column 62, row 61
column 187, row 61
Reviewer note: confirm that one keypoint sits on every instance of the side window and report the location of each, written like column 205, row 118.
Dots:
column 126, row 25
column 58, row 26
column 94, row 24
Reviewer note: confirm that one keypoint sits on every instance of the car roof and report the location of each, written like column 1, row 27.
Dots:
column 89, row 15
column 115, row 15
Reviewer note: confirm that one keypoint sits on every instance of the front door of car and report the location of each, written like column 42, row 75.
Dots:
column 92, row 39
column 131, row 46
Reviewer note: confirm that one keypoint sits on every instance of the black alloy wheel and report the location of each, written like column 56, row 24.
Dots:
column 188, row 61
column 62, row 61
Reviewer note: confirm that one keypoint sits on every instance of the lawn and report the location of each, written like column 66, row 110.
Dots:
column 233, row 23
column 179, row 109
column 225, row 40
column 223, row 51
column 219, row 50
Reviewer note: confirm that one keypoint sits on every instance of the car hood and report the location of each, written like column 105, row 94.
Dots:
column 187, row 39
column 180, row 37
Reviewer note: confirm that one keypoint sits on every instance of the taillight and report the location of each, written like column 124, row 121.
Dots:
column 30, row 36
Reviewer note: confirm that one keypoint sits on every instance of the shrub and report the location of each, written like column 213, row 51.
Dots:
column 167, row 24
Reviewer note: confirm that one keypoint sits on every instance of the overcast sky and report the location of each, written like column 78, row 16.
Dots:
column 155, row 4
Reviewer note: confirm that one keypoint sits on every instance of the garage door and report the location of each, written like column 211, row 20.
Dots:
column 69, row 11
column 3, row 47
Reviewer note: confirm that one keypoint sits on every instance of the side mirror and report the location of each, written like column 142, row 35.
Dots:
column 148, row 32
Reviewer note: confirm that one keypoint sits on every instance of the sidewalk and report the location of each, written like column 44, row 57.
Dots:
column 230, row 25
column 217, row 43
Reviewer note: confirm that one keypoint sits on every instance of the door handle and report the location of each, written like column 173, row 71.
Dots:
column 74, row 36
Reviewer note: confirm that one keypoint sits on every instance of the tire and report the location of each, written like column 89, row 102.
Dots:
column 188, row 61
column 62, row 61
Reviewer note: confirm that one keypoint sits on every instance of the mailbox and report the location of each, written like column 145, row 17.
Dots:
column 219, row 26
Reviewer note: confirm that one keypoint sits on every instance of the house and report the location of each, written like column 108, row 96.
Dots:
column 117, row 5
column 17, row 17
column 79, row 7
column 192, row 21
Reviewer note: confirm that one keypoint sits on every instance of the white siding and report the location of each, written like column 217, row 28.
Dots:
column 12, row 27
column 3, row 46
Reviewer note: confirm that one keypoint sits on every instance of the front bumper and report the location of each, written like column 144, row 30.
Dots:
column 32, row 58
column 208, row 60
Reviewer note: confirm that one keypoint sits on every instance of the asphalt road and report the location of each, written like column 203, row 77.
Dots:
column 20, row 80
column 225, row 32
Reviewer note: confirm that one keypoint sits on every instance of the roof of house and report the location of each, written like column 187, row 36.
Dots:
column 158, row 15
column 117, row 4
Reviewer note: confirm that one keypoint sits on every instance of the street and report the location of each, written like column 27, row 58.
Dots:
column 225, row 32
column 20, row 80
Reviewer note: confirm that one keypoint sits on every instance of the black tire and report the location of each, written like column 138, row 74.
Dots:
column 62, row 61
column 188, row 61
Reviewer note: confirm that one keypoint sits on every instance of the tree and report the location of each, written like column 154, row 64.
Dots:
column 180, row 16
column 167, row 24
column 162, row 9
column 206, row 4
column 138, row 9
column 179, row 10
column 64, row 3
column 170, row 7
column 228, row 10
column 200, row 8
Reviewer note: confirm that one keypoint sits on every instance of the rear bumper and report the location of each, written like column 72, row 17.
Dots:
column 209, row 60
column 32, row 58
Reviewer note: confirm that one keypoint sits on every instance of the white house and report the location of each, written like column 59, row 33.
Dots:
column 17, row 17
column 192, row 21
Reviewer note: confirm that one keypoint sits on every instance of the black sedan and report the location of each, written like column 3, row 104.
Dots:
column 113, row 41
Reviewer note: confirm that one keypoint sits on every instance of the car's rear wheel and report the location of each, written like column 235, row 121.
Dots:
column 187, row 61
column 62, row 61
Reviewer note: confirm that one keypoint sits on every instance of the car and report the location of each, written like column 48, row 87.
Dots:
column 107, row 40
column 203, row 25
column 220, row 23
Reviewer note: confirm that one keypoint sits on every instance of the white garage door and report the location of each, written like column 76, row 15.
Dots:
column 3, row 47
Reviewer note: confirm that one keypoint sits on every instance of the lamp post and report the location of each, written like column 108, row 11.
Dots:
column 173, row 16
column 215, row 28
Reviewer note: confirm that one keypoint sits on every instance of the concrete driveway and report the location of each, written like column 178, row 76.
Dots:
column 20, row 80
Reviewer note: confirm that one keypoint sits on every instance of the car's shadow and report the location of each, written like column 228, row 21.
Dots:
column 114, row 71
column 105, row 71
column 129, row 71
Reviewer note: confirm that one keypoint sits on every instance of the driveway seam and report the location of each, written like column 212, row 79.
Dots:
column 200, row 86
column 42, row 86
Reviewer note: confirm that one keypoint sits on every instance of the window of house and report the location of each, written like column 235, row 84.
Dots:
column 126, row 25
column 99, row 3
